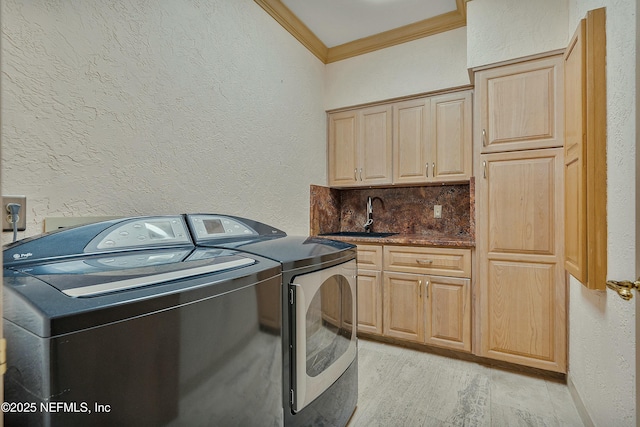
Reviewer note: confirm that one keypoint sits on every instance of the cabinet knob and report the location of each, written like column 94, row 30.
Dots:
column 355, row 174
column 360, row 174
column 427, row 168
column 424, row 261
column 426, row 289
column 433, row 169
column 484, row 138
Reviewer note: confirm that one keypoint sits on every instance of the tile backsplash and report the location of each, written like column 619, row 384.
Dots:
column 405, row 210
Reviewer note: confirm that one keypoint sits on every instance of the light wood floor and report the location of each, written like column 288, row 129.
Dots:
column 404, row 387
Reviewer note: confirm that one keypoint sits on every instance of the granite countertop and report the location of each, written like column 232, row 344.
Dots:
column 435, row 239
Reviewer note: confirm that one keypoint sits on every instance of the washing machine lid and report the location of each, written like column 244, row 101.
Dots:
column 99, row 275
column 294, row 252
column 66, row 296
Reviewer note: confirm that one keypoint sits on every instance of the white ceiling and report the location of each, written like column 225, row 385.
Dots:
column 336, row 22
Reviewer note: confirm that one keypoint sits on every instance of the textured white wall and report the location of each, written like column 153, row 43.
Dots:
column 499, row 30
column 602, row 359
column 143, row 107
column 423, row 65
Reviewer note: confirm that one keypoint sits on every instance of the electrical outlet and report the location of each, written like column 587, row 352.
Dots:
column 437, row 211
column 6, row 216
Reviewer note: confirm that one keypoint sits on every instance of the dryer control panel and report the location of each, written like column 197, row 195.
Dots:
column 207, row 227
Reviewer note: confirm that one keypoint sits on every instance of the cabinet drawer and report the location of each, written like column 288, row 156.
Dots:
column 438, row 261
column 370, row 257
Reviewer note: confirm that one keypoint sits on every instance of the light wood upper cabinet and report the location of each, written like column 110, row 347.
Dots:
column 519, row 106
column 521, row 282
column 360, row 147
column 343, row 148
column 451, row 145
column 432, row 139
column 375, row 152
column 585, row 169
column 411, row 156
column 417, row 141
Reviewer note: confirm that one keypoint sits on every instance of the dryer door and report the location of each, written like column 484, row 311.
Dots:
column 323, row 317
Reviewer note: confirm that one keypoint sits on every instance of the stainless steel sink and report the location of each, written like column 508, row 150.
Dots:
column 358, row 234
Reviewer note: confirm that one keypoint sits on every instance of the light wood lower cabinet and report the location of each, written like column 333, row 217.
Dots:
column 403, row 306
column 417, row 294
column 451, row 262
column 448, row 312
column 370, row 289
column 423, row 307
column 428, row 309
column 370, row 302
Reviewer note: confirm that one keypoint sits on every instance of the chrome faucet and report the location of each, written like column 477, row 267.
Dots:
column 369, row 223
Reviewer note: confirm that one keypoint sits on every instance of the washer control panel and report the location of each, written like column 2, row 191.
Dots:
column 141, row 232
column 207, row 227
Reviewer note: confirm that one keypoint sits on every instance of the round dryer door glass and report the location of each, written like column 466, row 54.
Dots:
column 329, row 324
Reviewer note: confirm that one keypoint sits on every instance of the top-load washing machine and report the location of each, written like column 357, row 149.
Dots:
column 128, row 323
column 319, row 345
column 179, row 320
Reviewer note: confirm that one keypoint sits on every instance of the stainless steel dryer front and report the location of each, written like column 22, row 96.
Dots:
column 319, row 296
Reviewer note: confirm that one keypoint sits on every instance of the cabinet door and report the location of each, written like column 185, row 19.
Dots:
column 451, row 144
column 343, row 148
column 522, row 289
column 574, row 157
column 586, row 153
column 403, row 307
column 370, row 289
column 375, row 146
column 370, row 302
column 411, row 121
column 519, row 106
column 448, row 312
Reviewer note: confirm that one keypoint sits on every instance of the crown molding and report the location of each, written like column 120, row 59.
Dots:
column 295, row 27
column 407, row 33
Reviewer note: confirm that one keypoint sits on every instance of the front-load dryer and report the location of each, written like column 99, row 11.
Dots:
column 318, row 299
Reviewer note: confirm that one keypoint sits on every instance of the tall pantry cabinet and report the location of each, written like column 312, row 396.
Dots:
column 520, row 285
